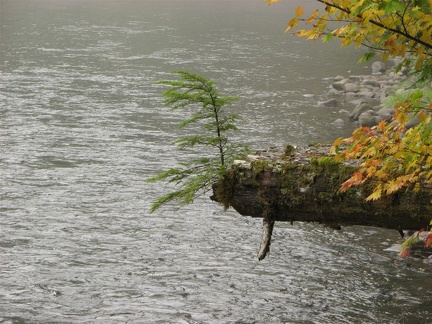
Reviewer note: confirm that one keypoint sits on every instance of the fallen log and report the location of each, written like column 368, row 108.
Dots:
column 302, row 184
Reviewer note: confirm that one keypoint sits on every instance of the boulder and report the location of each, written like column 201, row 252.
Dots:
column 351, row 87
column 369, row 119
column 366, row 93
column 332, row 93
column 372, row 83
column 412, row 122
column 355, row 78
column 332, row 102
column 358, row 110
column 386, row 113
column 351, row 96
column 338, row 123
column 339, row 85
column 378, row 67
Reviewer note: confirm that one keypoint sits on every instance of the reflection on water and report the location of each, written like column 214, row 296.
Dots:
column 82, row 127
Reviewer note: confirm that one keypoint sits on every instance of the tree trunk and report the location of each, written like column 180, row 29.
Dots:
column 303, row 185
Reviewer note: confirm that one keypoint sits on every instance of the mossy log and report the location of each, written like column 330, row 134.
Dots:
column 302, row 184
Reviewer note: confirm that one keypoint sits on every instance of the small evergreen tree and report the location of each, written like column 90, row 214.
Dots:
column 196, row 93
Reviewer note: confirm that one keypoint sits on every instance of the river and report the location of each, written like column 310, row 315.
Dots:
column 82, row 126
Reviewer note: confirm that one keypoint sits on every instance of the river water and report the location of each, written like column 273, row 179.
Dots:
column 83, row 126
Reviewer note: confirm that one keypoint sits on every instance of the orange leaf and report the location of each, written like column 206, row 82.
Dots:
column 381, row 125
column 356, row 179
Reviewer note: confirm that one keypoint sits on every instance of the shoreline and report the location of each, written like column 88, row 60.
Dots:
column 367, row 93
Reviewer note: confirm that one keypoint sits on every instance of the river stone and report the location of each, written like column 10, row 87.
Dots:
column 368, row 118
column 338, row 123
column 386, row 113
column 332, row 102
column 339, row 85
column 372, row 83
column 355, row 78
column 338, row 78
column 351, row 96
column 359, row 109
column 412, row 122
column 351, row 87
column 366, row 93
column 378, row 67
column 333, row 93
column 344, row 112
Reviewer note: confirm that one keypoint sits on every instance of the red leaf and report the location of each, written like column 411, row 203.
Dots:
column 428, row 241
column 405, row 252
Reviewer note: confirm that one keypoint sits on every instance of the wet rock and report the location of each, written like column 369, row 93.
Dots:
column 351, row 87
column 386, row 113
column 358, row 110
column 340, row 85
column 378, row 67
column 332, row 102
column 372, row 83
column 351, row 96
column 366, row 93
column 412, row 122
column 333, row 93
column 355, row 78
column 369, row 119
column 338, row 123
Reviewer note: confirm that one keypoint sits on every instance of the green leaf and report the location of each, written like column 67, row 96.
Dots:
column 366, row 57
column 327, row 38
column 392, row 6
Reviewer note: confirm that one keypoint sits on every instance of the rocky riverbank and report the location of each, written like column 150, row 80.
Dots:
column 366, row 93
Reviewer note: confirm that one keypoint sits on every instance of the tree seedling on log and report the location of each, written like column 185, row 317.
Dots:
column 212, row 123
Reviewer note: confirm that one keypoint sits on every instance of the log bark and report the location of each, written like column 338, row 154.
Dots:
column 287, row 184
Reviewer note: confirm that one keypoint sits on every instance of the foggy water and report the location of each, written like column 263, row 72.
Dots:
column 82, row 126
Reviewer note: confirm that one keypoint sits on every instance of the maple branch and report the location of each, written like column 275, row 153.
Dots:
column 379, row 24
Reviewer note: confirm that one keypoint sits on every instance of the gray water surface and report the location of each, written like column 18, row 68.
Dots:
column 82, row 126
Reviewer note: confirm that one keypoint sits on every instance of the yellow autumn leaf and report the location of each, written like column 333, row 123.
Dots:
column 419, row 62
column 394, row 186
column 381, row 125
column 291, row 24
column 338, row 141
column 375, row 195
column 269, row 2
column 421, row 116
column 299, row 11
column 312, row 17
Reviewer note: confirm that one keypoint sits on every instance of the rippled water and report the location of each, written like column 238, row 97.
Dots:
column 83, row 126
